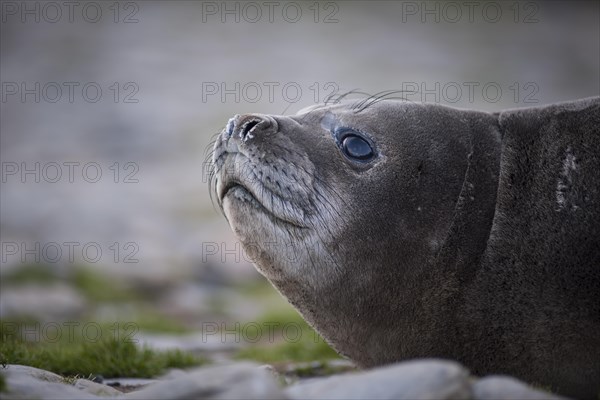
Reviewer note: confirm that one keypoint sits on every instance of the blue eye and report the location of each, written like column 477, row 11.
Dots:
column 356, row 147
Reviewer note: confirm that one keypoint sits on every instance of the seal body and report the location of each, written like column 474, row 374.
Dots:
column 410, row 230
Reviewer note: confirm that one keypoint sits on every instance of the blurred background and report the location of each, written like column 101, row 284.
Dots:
column 108, row 108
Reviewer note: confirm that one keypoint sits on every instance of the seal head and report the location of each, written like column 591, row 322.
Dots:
column 344, row 209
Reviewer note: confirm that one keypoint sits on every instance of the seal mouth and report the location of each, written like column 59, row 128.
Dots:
column 254, row 193
column 235, row 188
column 226, row 189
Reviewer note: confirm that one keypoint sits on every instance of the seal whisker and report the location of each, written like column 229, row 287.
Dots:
column 336, row 97
column 377, row 97
column 370, row 97
column 286, row 108
column 389, row 97
column 324, row 198
column 212, row 171
column 342, row 96
column 322, row 242
column 320, row 180
column 210, row 147
column 326, row 185
column 329, row 97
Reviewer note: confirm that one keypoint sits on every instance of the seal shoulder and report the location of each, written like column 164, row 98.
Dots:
column 540, row 272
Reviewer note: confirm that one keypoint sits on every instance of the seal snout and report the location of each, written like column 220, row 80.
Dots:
column 246, row 126
column 256, row 171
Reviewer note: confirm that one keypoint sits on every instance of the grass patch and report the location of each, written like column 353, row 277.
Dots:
column 299, row 342
column 71, row 379
column 304, row 350
column 110, row 353
column 109, row 358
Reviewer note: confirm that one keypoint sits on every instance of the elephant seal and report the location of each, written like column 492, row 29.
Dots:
column 403, row 230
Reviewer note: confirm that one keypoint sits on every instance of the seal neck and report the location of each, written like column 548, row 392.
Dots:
column 461, row 255
column 476, row 204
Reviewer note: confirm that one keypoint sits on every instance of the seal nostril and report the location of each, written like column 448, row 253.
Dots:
column 244, row 133
column 246, row 126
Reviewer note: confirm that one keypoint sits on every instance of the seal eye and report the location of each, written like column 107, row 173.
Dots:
column 356, row 147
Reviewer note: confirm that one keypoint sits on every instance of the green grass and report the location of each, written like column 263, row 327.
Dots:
column 304, row 350
column 72, row 379
column 110, row 353
column 303, row 343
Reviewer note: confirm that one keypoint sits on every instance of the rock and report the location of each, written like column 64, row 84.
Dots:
column 32, row 383
column 173, row 373
column 418, row 379
column 504, row 387
column 40, row 374
column 25, row 382
column 96, row 388
column 235, row 381
column 318, row 368
column 291, row 373
column 129, row 384
column 199, row 343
